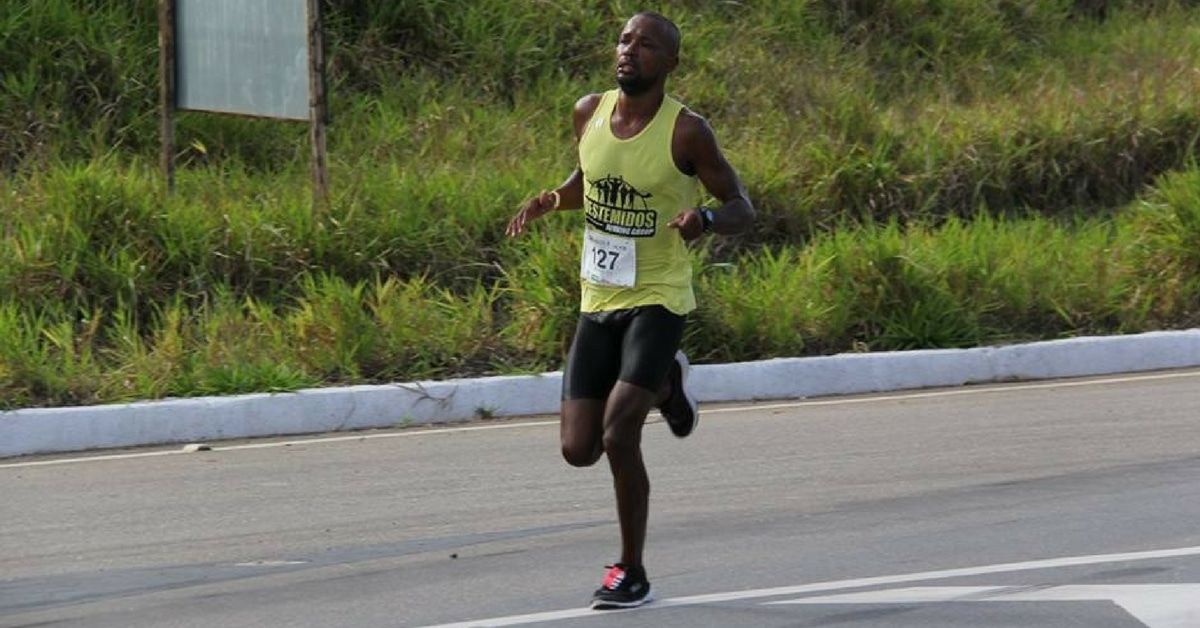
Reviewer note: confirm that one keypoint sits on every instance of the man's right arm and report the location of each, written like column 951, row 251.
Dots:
column 569, row 194
column 571, row 191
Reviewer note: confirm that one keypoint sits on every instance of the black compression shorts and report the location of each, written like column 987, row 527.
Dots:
column 635, row 345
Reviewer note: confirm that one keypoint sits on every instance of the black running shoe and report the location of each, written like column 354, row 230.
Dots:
column 680, row 408
column 624, row 587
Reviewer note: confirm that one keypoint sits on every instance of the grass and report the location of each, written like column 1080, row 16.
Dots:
column 927, row 173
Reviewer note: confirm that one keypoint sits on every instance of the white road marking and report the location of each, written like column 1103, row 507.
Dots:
column 417, row 432
column 274, row 444
column 1155, row 605
column 973, row 389
column 837, row 585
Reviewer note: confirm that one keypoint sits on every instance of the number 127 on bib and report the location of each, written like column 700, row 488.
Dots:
column 609, row 260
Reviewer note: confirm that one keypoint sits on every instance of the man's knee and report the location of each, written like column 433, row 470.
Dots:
column 580, row 422
column 581, row 456
column 622, row 441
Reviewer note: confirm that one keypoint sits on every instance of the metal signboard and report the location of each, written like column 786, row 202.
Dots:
column 242, row 56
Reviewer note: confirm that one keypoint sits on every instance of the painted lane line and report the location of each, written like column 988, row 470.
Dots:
column 957, row 392
column 276, row 444
column 837, row 585
column 1155, row 605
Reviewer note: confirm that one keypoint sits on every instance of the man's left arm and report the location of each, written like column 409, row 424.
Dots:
column 697, row 150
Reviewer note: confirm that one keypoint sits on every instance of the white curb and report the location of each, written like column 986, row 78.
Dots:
column 49, row 430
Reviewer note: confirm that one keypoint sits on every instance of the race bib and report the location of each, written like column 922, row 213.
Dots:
column 608, row 260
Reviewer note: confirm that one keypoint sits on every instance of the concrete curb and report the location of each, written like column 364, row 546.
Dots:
column 55, row 430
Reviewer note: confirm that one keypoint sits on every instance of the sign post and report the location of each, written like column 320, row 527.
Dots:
column 166, row 88
column 318, row 112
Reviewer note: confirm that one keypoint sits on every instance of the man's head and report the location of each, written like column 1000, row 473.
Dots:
column 647, row 52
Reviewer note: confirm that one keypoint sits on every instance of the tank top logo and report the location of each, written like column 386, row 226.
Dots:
column 614, row 206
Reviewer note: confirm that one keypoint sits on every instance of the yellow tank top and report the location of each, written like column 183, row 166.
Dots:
column 631, row 190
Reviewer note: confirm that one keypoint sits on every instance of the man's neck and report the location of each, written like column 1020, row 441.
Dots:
column 643, row 105
column 633, row 113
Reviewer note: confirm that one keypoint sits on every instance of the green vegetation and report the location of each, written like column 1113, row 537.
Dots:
column 928, row 173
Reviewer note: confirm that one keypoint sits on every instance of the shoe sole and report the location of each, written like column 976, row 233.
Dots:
column 693, row 405
column 600, row 605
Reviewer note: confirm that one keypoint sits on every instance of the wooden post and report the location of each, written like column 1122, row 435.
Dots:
column 166, row 88
column 317, row 107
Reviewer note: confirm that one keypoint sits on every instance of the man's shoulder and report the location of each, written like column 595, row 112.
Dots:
column 585, row 108
column 589, row 102
column 690, row 125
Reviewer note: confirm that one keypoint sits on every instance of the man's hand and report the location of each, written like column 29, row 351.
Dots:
column 689, row 223
column 534, row 208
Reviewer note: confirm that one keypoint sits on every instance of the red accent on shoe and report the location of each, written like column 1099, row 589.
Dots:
column 614, row 577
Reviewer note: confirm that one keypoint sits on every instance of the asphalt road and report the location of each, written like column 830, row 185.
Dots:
column 1068, row 503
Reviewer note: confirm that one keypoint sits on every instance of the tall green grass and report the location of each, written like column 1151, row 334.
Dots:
column 927, row 173
column 960, row 284
column 80, row 70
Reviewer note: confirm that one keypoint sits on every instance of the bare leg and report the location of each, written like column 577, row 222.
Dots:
column 624, row 416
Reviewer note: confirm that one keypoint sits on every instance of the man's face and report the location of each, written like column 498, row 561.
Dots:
column 645, row 55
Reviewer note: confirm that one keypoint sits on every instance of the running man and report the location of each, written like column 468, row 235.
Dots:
column 641, row 157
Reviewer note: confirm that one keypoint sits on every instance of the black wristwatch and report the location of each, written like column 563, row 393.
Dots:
column 706, row 219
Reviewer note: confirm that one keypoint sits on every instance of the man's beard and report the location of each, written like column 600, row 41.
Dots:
column 634, row 85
